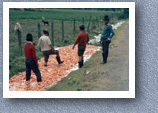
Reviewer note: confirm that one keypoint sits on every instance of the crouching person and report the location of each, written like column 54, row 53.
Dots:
column 46, row 47
column 31, row 59
column 82, row 40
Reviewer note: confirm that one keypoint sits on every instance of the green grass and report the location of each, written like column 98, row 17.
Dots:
column 30, row 19
column 60, row 14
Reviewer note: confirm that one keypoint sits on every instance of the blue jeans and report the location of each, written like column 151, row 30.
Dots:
column 31, row 65
column 105, row 47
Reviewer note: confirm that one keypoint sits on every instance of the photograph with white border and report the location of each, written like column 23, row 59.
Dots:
column 68, row 49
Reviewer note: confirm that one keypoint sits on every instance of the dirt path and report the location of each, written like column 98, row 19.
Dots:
column 113, row 76
column 116, row 72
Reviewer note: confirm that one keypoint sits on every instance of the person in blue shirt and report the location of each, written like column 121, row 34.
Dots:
column 106, row 36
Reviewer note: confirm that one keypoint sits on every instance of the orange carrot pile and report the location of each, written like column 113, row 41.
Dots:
column 50, row 74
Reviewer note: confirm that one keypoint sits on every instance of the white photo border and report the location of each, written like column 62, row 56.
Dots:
column 68, row 94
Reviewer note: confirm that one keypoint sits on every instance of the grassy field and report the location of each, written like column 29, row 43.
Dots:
column 60, row 14
column 31, row 17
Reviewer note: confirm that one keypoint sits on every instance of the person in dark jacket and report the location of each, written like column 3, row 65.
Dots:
column 31, row 59
column 82, row 40
column 106, row 36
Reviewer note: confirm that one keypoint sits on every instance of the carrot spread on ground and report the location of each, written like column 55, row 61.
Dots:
column 50, row 74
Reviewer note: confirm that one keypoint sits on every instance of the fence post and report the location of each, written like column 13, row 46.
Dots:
column 19, row 40
column 100, row 20
column 93, row 23
column 112, row 19
column 89, row 23
column 62, row 27
column 97, row 21
column 52, row 28
column 83, row 20
column 39, row 30
column 74, row 27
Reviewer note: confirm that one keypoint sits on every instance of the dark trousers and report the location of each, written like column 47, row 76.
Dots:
column 49, row 52
column 105, row 47
column 81, row 49
column 31, row 65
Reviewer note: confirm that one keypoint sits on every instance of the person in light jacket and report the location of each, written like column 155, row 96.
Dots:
column 47, row 48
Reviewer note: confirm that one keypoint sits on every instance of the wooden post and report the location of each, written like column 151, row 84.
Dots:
column 100, row 20
column 112, row 19
column 83, row 20
column 93, row 23
column 74, row 28
column 39, row 30
column 89, row 23
column 62, row 28
column 97, row 21
column 19, row 42
column 52, row 28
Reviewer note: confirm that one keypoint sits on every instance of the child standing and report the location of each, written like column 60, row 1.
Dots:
column 82, row 40
column 31, row 59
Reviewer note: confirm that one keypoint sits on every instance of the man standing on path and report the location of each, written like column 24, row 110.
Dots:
column 82, row 40
column 31, row 59
column 106, row 36
column 46, row 47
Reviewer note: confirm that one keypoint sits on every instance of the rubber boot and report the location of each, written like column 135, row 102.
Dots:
column 79, row 64
column 39, row 80
column 58, row 60
column 82, row 62
column 104, row 60
column 45, row 65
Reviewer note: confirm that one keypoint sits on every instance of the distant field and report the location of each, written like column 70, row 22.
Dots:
column 60, row 14
column 30, row 19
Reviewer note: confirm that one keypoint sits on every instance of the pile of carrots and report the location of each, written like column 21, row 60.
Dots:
column 50, row 74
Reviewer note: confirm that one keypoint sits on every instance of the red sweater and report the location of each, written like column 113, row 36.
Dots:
column 82, row 38
column 29, row 51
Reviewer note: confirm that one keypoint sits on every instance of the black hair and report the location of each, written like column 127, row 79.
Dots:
column 29, row 37
column 82, row 27
column 46, row 32
column 106, row 18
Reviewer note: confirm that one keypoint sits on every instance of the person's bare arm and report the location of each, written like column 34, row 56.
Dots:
column 52, row 47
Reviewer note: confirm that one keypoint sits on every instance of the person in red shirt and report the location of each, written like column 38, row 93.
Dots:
column 31, row 59
column 82, row 40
